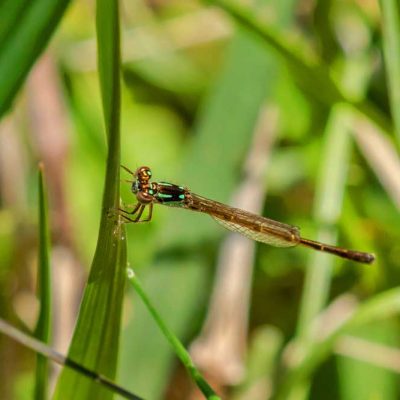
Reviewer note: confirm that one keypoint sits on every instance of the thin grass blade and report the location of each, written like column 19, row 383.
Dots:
column 43, row 327
column 330, row 188
column 391, row 51
column 178, row 347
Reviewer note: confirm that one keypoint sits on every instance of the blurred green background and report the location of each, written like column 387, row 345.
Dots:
column 198, row 79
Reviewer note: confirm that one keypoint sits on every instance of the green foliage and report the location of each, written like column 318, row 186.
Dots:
column 195, row 82
column 381, row 307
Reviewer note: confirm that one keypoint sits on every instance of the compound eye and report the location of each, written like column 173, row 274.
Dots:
column 135, row 187
column 143, row 173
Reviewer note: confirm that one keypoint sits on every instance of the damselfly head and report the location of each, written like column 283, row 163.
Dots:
column 143, row 174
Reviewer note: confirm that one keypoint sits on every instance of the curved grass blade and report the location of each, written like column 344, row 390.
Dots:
column 96, row 337
column 43, row 327
column 180, row 351
column 46, row 351
column 26, row 27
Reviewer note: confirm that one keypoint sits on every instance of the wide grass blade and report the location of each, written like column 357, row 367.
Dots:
column 43, row 327
column 96, row 337
column 25, row 28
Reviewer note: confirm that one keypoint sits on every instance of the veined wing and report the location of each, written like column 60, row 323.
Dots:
column 255, row 227
column 259, row 236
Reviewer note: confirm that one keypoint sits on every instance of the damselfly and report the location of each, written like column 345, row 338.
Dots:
column 255, row 227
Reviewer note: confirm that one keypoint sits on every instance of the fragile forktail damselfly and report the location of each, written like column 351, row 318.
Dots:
column 255, row 227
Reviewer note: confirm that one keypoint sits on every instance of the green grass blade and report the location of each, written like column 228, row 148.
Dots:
column 391, row 51
column 26, row 27
column 173, row 340
column 335, row 159
column 329, row 197
column 96, row 337
column 43, row 327
column 382, row 306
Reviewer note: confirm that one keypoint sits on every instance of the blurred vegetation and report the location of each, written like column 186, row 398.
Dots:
column 196, row 76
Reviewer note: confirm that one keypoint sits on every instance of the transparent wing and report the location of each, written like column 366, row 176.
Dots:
column 259, row 236
column 255, row 227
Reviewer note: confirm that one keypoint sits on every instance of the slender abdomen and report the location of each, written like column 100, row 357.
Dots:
column 366, row 258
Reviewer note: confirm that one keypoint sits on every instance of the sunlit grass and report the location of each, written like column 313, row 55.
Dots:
column 189, row 112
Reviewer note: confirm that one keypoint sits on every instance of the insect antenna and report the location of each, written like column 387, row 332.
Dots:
column 127, row 169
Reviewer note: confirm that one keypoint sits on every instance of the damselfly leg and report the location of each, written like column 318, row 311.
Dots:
column 137, row 212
